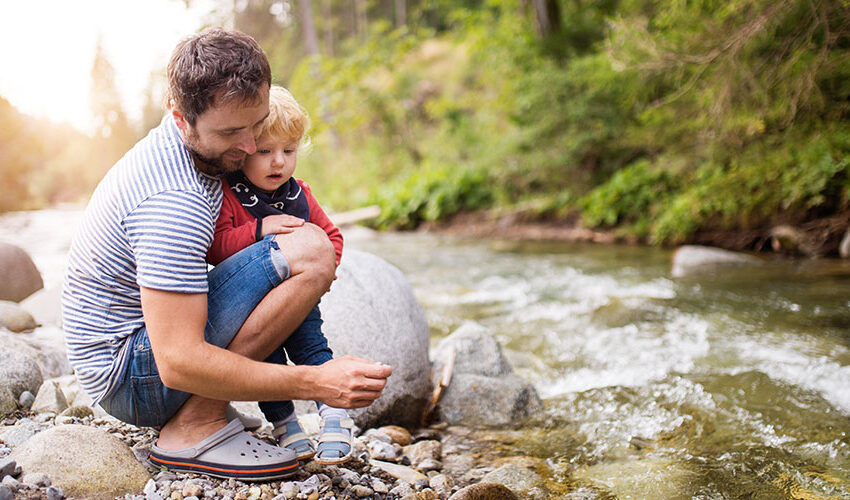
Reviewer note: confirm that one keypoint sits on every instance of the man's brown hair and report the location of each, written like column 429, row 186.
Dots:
column 215, row 64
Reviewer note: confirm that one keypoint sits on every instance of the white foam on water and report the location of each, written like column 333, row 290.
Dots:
column 629, row 356
column 793, row 362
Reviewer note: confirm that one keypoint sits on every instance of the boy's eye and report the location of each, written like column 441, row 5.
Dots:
column 289, row 151
column 264, row 151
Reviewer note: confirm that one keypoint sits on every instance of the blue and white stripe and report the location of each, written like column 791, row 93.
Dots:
column 149, row 223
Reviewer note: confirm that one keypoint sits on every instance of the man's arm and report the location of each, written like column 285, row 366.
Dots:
column 175, row 324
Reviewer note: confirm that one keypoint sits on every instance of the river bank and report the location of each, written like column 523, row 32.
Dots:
column 818, row 236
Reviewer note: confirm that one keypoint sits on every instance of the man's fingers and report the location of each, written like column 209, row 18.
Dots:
column 377, row 370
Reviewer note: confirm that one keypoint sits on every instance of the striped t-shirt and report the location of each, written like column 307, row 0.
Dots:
column 149, row 223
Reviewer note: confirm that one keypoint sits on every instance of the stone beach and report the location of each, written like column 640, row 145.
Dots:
column 55, row 444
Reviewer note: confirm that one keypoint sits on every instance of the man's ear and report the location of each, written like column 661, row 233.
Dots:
column 180, row 120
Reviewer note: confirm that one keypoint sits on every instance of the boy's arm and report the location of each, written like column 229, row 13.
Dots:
column 321, row 219
column 234, row 230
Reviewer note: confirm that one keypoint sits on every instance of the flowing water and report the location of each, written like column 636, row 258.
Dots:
column 732, row 385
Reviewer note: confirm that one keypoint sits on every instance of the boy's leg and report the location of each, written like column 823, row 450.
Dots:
column 310, row 257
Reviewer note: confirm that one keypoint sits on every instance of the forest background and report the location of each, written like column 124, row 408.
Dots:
column 662, row 121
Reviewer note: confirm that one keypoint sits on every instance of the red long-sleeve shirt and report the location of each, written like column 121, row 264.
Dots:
column 236, row 228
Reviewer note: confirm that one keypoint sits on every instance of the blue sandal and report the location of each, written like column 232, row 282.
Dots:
column 291, row 436
column 335, row 441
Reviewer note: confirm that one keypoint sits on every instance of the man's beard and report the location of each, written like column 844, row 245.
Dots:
column 211, row 166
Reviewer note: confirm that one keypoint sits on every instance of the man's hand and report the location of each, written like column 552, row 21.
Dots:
column 280, row 224
column 351, row 382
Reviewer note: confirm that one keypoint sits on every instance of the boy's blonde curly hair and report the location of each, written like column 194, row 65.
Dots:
column 287, row 120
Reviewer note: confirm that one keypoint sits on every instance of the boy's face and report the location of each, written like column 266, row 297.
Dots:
column 224, row 135
column 272, row 164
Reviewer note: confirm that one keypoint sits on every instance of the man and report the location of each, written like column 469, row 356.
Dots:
column 154, row 338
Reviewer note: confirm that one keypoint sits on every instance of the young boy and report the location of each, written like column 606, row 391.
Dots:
column 262, row 199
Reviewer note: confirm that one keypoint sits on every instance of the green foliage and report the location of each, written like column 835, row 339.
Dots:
column 432, row 194
column 628, row 197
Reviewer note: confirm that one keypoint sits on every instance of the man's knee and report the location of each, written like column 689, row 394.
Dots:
column 309, row 249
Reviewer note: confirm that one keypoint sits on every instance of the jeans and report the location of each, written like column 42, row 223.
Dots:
column 141, row 398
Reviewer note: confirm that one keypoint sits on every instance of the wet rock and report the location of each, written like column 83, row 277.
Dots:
column 476, row 352
column 844, row 246
column 694, row 259
column 790, row 240
column 15, row 318
column 641, row 478
column 85, row 462
column 484, row 491
column 479, row 401
column 371, row 312
column 483, row 391
column 399, row 435
column 50, row 398
column 20, row 276
column 423, row 450
column 521, row 481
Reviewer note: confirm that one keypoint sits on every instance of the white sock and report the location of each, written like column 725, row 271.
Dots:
column 326, row 411
column 280, row 423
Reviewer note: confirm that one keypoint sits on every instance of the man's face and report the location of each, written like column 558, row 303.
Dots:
column 225, row 134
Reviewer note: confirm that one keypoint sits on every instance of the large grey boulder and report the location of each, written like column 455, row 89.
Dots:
column 371, row 312
column 483, row 390
column 693, row 259
column 15, row 318
column 18, row 372
column 84, row 461
column 18, row 275
column 45, row 345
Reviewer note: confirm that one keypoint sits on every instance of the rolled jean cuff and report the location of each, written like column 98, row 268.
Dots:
column 279, row 262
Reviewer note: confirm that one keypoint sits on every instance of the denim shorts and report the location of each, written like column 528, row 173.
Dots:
column 236, row 286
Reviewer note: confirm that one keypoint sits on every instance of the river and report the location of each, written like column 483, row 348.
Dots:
column 727, row 385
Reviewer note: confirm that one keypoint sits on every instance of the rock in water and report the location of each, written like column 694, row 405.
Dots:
column 844, row 247
column 85, row 462
column 19, row 277
column 484, row 491
column 692, row 259
column 483, row 391
column 371, row 312
column 521, row 481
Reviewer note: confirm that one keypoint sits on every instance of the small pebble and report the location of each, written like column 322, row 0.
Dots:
column 361, row 491
column 380, row 450
column 192, row 490
column 37, row 479
column 165, row 476
column 289, row 490
column 421, row 484
column 429, row 464
column 313, row 496
column 26, row 400
column 254, row 492
column 402, row 490
column 378, row 486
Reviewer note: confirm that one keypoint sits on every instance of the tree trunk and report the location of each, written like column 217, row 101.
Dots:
column 311, row 41
column 547, row 16
column 400, row 13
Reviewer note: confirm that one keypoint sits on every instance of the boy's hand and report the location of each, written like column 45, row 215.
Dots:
column 280, row 224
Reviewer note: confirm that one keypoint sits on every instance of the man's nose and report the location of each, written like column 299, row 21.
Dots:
column 248, row 143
